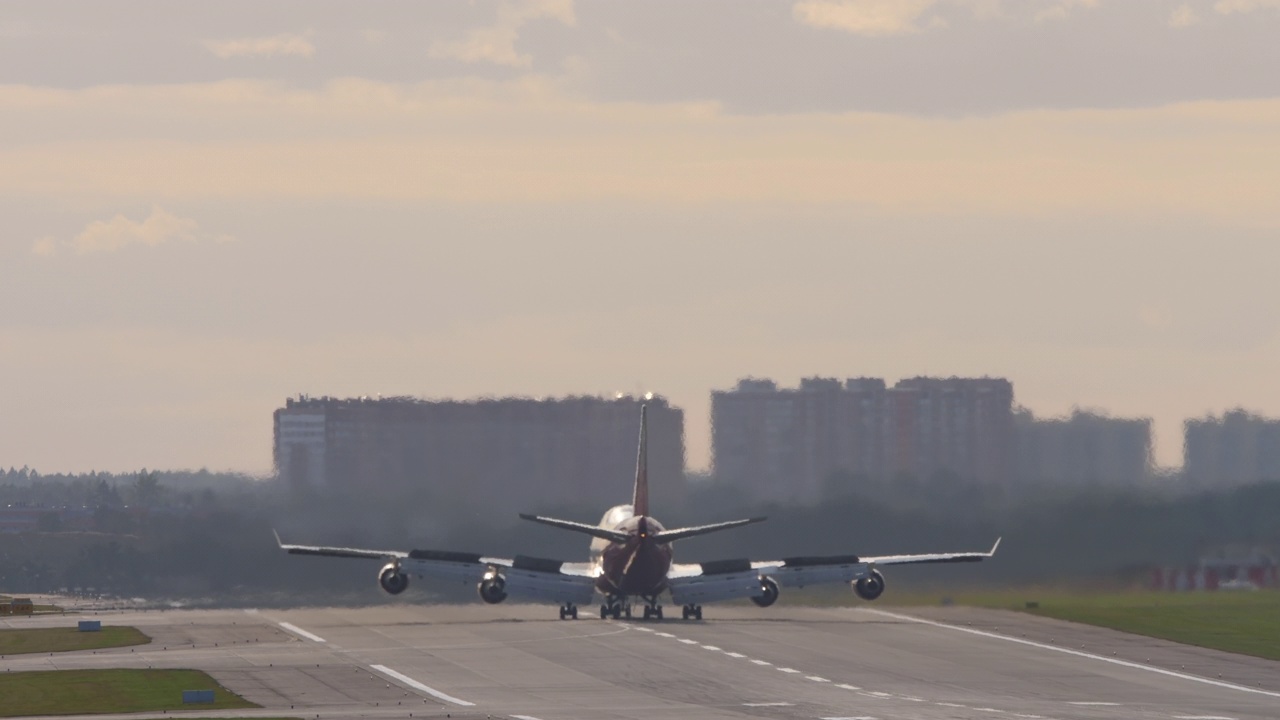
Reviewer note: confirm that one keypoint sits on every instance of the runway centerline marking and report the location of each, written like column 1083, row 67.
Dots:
column 761, row 662
column 1203, row 717
column 710, row 647
column 300, row 632
column 1093, row 702
column 789, row 670
column 815, row 678
column 665, row 635
column 1077, row 653
column 688, row 642
column 768, row 704
column 419, row 686
column 847, row 686
column 735, row 655
column 523, row 717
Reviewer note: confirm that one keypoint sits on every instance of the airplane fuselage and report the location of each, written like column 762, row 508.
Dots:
column 638, row 566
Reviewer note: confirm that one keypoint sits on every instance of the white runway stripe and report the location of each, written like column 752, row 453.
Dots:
column 1077, row 653
column 419, row 686
column 300, row 632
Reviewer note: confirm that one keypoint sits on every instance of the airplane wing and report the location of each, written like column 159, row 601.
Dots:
column 696, row 583
column 521, row 577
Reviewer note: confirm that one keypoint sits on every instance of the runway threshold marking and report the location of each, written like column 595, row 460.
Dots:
column 299, row 631
column 419, row 686
column 1077, row 653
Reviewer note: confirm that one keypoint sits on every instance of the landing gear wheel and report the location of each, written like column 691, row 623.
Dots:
column 657, row 613
column 691, row 611
column 604, row 612
column 568, row 610
column 626, row 611
column 647, row 612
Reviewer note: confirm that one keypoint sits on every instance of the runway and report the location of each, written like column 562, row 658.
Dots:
column 518, row 661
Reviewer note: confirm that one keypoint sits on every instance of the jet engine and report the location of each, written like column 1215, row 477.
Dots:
column 869, row 587
column 768, row 593
column 493, row 588
column 392, row 580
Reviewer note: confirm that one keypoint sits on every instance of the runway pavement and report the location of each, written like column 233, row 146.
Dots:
column 519, row 661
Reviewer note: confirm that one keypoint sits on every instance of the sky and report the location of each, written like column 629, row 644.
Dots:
column 208, row 208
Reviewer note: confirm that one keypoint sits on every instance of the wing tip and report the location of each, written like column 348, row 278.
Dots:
column 994, row 547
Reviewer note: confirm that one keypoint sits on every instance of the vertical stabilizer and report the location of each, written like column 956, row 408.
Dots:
column 640, row 500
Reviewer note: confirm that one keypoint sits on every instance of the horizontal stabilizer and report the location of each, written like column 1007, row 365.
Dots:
column 688, row 532
column 592, row 530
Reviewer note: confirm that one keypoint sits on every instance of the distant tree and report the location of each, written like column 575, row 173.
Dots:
column 146, row 488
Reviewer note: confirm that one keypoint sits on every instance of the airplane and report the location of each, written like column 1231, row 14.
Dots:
column 631, row 558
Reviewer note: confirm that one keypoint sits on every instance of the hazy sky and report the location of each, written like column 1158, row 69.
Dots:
column 210, row 207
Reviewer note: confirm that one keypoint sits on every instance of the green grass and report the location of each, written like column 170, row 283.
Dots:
column 1241, row 622
column 42, row 640
column 72, row 692
column 1246, row 622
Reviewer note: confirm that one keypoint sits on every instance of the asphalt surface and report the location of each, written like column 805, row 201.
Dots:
column 519, row 661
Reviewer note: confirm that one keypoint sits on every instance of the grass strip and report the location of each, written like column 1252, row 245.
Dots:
column 42, row 640
column 75, row 692
column 1245, row 622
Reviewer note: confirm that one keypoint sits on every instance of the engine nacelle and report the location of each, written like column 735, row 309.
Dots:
column 768, row 593
column 869, row 587
column 493, row 588
column 392, row 580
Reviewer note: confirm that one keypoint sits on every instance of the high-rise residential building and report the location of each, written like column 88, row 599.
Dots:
column 956, row 425
column 1084, row 448
column 507, row 454
column 1235, row 449
column 781, row 445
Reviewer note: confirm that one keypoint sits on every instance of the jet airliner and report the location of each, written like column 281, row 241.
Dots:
column 631, row 559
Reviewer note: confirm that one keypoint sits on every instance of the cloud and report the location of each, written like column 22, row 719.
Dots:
column 1228, row 7
column 497, row 43
column 105, row 236
column 285, row 44
column 45, row 247
column 863, row 17
column 1060, row 9
column 532, row 141
column 1183, row 16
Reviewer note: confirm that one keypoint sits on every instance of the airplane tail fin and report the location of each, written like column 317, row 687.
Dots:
column 640, row 499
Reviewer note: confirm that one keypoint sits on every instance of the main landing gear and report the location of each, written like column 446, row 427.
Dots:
column 652, row 610
column 568, row 610
column 616, row 608
column 691, row 611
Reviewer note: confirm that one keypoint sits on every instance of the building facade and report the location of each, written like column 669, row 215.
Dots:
column 1235, row 449
column 512, row 453
column 1084, row 448
column 783, row 445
